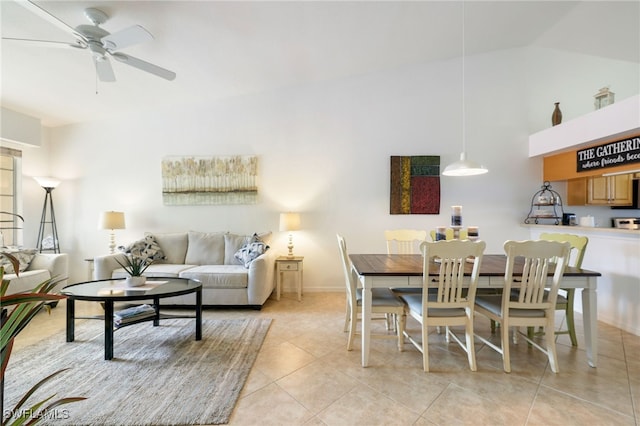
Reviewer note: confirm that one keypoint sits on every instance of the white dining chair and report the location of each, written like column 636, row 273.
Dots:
column 525, row 300
column 453, row 303
column 404, row 241
column 564, row 302
column 383, row 301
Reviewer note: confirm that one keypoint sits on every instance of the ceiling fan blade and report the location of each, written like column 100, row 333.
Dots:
column 127, row 37
column 144, row 66
column 104, row 69
column 48, row 43
column 37, row 10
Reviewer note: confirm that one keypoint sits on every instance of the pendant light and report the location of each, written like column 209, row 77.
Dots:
column 464, row 167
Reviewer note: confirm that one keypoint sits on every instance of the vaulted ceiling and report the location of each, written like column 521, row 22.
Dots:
column 220, row 49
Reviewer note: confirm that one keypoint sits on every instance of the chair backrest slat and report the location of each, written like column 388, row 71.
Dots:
column 453, row 289
column 404, row 241
column 578, row 246
column 538, row 256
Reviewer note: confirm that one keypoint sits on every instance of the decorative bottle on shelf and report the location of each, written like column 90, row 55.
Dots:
column 556, row 117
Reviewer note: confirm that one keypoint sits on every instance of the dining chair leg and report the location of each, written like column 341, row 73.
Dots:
column 347, row 317
column 506, row 361
column 471, row 350
column 353, row 320
column 569, row 315
column 401, row 321
column 425, row 348
column 551, row 346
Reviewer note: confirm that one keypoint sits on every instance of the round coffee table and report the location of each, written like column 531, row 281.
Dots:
column 110, row 291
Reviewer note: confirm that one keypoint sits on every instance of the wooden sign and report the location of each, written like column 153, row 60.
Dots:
column 611, row 154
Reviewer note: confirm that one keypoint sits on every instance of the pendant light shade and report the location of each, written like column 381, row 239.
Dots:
column 464, row 167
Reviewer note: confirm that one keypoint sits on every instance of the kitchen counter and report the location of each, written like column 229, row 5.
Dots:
column 616, row 254
column 586, row 229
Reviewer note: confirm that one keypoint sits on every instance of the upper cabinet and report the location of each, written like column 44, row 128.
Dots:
column 600, row 191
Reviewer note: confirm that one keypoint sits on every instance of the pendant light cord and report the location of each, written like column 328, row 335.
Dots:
column 464, row 132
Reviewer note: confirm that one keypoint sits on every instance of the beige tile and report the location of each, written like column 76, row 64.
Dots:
column 607, row 385
column 269, row 406
column 278, row 361
column 556, row 408
column 317, row 385
column 460, row 406
column 365, row 406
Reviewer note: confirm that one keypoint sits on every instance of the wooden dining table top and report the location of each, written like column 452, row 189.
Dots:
column 411, row 265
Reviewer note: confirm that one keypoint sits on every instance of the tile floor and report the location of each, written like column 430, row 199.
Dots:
column 304, row 376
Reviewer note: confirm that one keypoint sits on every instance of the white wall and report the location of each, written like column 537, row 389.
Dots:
column 324, row 150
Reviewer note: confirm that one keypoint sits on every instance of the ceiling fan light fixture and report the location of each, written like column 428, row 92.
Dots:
column 464, row 167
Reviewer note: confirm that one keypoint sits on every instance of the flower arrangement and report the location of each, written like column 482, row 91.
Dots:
column 135, row 265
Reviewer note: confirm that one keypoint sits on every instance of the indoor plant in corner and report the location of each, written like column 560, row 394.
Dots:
column 17, row 311
column 135, row 267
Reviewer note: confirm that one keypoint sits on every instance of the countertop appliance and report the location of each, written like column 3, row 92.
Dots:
column 626, row 222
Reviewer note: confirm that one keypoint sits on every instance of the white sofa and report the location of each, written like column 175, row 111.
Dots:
column 42, row 267
column 209, row 258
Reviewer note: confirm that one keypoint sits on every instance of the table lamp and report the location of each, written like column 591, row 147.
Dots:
column 290, row 222
column 111, row 220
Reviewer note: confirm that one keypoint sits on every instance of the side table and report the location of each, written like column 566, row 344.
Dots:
column 289, row 264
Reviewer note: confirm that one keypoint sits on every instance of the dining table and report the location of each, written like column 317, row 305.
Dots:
column 406, row 270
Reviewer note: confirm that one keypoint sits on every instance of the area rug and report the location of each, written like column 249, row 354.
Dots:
column 159, row 375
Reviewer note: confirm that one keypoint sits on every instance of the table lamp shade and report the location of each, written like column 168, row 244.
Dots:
column 111, row 220
column 289, row 221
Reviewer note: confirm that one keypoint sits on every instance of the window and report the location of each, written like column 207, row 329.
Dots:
column 10, row 196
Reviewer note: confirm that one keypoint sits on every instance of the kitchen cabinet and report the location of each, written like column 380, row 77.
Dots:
column 600, row 191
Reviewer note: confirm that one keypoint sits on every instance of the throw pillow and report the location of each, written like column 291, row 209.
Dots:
column 251, row 250
column 24, row 256
column 146, row 248
column 234, row 242
column 205, row 248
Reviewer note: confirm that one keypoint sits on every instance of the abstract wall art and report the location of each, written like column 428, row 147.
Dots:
column 210, row 180
column 415, row 184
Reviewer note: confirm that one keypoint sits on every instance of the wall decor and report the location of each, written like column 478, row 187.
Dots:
column 209, row 180
column 415, row 184
column 611, row 154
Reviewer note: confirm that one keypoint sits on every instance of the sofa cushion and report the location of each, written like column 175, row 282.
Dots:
column 219, row 276
column 146, row 248
column 205, row 248
column 157, row 270
column 174, row 246
column 27, row 281
column 24, row 257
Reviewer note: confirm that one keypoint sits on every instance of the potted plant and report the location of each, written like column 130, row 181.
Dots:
column 17, row 311
column 135, row 267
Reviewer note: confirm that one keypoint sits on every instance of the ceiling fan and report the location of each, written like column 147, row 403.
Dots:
column 99, row 42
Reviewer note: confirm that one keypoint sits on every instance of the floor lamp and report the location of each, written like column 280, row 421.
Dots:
column 48, row 184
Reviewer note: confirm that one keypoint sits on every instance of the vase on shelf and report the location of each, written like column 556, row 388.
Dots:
column 556, row 117
column 135, row 281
